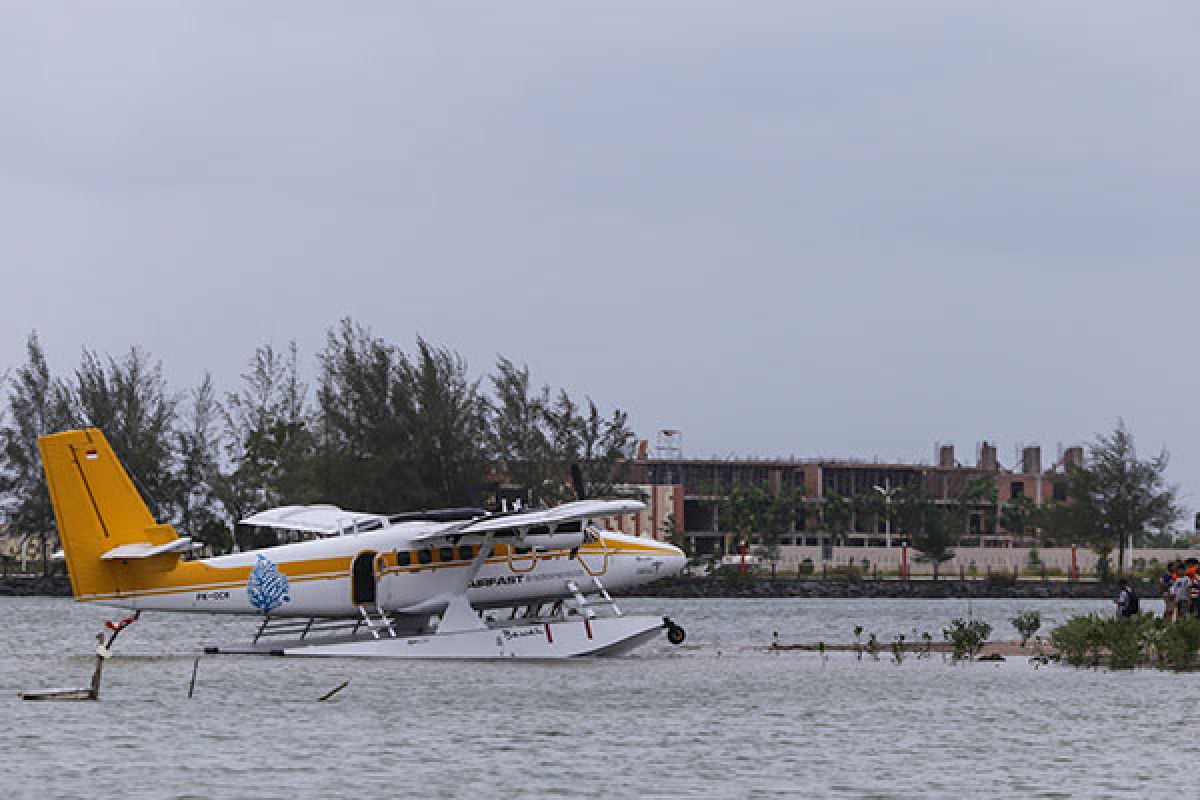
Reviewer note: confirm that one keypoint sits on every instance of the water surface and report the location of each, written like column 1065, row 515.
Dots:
column 718, row 717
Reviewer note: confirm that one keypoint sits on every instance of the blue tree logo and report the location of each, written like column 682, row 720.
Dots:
column 267, row 587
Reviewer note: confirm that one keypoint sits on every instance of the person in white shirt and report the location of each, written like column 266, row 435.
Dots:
column 1181, row 589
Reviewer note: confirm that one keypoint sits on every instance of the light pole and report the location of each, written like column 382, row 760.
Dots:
column 887, row 506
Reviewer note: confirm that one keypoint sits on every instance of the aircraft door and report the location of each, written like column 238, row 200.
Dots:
column 522, row 561
column 363, row 579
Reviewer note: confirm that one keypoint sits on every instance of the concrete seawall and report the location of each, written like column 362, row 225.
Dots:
column 35, row 586
column 789, row 587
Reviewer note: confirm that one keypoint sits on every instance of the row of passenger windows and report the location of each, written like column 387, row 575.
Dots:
column 444, row 555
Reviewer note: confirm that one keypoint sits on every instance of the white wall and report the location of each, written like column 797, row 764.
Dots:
column 995, row 558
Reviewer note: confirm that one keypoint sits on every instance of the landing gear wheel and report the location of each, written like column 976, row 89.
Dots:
column 675, row 633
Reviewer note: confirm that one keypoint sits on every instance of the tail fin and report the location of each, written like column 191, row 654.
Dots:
column 102, row 520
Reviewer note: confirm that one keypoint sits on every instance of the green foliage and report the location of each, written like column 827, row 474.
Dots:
column 1027, row 624
column 266, row 436
column 1181, row 641
column 387, row 432
column 128, row 399
column 37, row 404
column 675, row 535
column 731, row 575
column 1084, row 640
column 977, row 493
column 898, row 649
column 967, row 637
column 756, row 512
column 835, row 513
column 1114, row 497
column 1122, row 638
column 198, row 475
column 935, row 540
column 1078, row 640
column 1020, row 515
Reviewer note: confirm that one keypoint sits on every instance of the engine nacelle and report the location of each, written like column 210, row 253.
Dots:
column 552, row 541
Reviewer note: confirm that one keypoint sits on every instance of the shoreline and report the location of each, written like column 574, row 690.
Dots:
column 35, row 586
column 840, row 588
column 764, row 588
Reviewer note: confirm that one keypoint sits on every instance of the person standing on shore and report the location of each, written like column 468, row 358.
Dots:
column 1191, row 568
column 1181, row 589
column 1127, row 600
column 1165, row 583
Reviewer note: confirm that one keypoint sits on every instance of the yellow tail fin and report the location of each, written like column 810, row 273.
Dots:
column 98, row 510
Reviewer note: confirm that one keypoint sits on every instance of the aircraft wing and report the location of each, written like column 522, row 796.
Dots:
column 542, row 527
column 329, row 520
column 326, row 520
column 567, row 512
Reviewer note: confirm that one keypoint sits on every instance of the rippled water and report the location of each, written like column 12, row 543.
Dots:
column 716, row 718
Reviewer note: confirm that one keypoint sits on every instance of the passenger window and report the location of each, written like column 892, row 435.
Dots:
column 403, row 558
column 523, row 551
column 445, row 554
column 466, row 552
column 425, row 555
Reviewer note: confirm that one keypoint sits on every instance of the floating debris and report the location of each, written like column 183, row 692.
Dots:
column 192, row 685
column 333, row 691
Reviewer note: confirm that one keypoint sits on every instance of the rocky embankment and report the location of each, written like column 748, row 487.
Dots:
column 808, row 587
column 33, row 586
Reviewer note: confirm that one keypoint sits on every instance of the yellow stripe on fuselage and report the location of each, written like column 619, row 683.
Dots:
column 196, row 576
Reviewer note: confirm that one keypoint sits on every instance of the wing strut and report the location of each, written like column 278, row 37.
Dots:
column 460, row 615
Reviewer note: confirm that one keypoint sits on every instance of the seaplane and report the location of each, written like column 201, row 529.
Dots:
column 445, row 584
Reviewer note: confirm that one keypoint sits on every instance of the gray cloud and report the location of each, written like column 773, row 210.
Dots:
column 782, row 227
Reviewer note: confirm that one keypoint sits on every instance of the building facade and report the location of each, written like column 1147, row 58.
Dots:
column 684, row 495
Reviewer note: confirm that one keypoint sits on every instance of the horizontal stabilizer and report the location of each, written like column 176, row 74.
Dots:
column 146, row 550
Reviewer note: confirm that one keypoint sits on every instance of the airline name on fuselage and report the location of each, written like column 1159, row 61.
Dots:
column 522, row 632
column 502, row 580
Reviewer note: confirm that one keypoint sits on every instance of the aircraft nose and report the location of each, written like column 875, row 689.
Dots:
column 674, row 561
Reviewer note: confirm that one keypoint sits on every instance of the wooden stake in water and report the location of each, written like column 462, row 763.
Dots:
column 192, row 685
column 333, row 691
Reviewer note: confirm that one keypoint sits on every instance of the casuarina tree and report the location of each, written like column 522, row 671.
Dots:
column 1115, row 496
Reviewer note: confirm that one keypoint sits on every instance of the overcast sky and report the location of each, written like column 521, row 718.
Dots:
column 783, row 228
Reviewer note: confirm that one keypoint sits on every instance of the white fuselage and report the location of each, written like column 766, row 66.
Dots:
column 318, row 578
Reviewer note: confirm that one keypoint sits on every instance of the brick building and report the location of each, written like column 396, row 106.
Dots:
column 688, row 491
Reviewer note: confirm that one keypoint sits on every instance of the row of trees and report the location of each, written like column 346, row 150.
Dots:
column 755, row 513
column 384, row 430
column 1114, row 500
